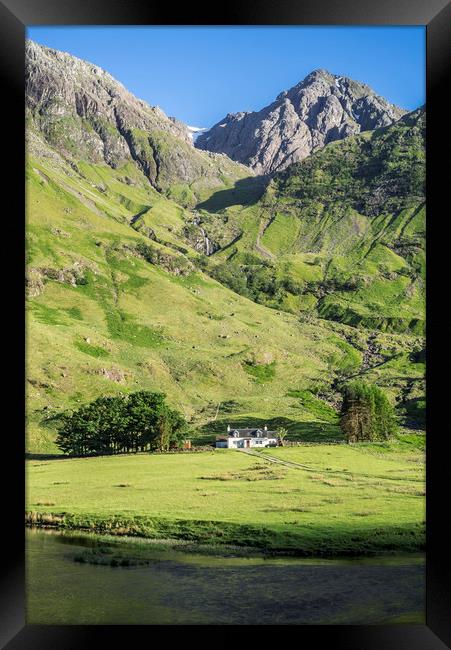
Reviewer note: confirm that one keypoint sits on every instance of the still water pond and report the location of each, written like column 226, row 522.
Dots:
column 187, row 588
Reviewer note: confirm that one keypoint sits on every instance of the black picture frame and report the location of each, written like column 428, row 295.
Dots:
column 15, row 15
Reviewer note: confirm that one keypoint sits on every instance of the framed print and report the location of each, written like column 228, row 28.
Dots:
column 233, row 238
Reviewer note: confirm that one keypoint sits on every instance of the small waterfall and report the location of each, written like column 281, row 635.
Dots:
column 207, row 242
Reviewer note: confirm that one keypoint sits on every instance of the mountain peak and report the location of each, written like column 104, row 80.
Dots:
column 319, row 73
column 321, row 108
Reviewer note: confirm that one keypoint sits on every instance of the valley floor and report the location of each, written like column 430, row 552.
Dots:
column 323, row 499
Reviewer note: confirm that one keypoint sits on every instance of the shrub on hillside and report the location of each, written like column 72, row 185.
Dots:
column 366, row 413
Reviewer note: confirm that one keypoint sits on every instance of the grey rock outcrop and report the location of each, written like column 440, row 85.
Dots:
column 59, row 85
column 76, row 110
column 320, row 109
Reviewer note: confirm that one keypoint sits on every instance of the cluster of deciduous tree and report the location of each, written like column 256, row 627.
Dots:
column 366, row 413
column 140, row 421
column 255, row 278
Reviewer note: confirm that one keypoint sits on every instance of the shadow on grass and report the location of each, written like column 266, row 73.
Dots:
column 299, row 431
column 340, row 539
column 245, row 192
column 31, row 456
column 415, row 413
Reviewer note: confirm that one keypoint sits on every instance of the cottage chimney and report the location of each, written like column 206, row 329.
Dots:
column 228, row 428
column 266, row 428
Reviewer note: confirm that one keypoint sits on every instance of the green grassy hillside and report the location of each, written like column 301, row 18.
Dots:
column 117, row 301
column 340, row 234
column 103, row 319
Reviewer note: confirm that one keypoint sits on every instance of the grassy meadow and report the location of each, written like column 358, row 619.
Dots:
column 331, row 499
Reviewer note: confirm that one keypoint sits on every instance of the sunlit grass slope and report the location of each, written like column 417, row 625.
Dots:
column 103, row 319
column 124, row 323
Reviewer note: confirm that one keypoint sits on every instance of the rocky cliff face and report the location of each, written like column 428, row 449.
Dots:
column 320, row 109
column 60, row 86
column 83, row 113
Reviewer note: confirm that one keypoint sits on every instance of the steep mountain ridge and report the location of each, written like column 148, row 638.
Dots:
column 83, row 112
column 318, row 110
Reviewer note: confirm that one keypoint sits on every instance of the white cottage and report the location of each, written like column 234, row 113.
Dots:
column 244, row 438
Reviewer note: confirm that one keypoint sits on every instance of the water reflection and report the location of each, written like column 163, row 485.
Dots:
column 189, row 588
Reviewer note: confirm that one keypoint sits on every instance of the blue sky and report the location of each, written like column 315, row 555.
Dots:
column 199, row 74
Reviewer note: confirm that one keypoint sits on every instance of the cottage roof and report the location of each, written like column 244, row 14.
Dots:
column 252, row 433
